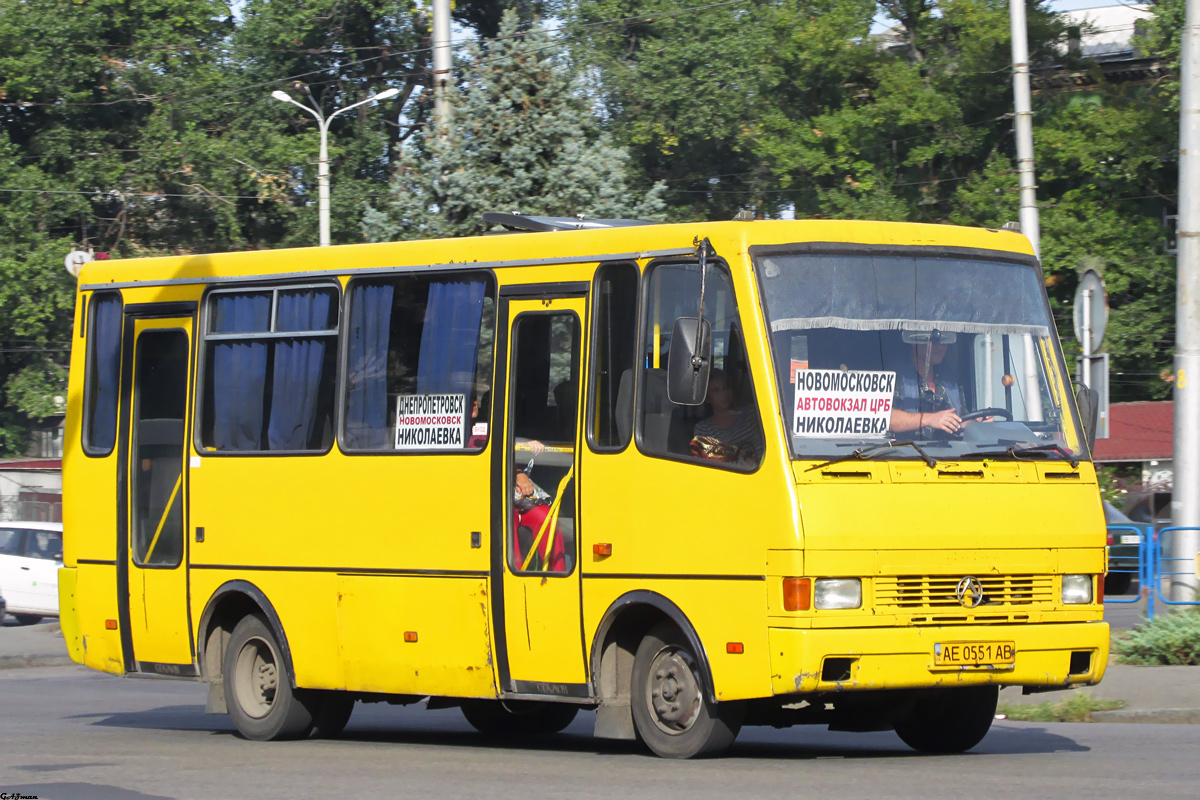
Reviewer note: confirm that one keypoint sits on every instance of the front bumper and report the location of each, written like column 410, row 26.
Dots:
column 902, row 658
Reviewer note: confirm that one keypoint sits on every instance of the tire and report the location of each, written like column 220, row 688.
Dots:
column 28, row 619
column 1118, row 583
column 671, row 714
column 949, row 720
column 518, row 717
column 258, row 686
column 331, row 712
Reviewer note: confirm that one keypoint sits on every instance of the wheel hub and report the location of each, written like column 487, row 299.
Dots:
column 256, row 678
column 674, row 692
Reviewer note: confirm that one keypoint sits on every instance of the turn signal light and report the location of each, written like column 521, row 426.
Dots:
column 110, row 624
column 797, row 594
column 602, row 549
column 410, row 636
column 735, row 648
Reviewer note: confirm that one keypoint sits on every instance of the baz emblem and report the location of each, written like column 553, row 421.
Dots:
column 969, row 592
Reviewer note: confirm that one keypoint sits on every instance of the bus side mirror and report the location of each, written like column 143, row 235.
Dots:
column 1088, row 401
column 689, row 362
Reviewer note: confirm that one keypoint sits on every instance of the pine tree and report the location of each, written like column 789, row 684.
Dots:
column 522, row 140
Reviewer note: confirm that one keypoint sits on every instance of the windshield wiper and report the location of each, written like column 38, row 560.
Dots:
column 865, row 452
column 1017, row 452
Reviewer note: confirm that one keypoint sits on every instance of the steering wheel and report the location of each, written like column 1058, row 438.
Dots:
column 988, row 412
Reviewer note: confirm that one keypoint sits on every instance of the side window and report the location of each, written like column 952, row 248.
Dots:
column 44, row 544
column 726, row 428
column 102, row 383
column 614, row 356
column 10, row 542
column 270, row 365
column 419, row 363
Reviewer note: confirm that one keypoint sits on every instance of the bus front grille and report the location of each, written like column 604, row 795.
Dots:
column 940, row 592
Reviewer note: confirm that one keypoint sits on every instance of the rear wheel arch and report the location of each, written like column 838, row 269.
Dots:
column 228, row 605
column 626, row 622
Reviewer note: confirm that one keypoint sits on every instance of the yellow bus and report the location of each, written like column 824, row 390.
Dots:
column 692, row 476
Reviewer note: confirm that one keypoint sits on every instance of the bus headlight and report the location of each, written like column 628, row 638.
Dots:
column 831, row 593
column 1076, row 589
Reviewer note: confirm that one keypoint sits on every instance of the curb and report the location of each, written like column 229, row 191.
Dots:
column 40, row 660
column 1169, row 716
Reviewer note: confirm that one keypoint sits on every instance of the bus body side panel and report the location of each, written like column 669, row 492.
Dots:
column 699, row 537
column 304, row 528
column 89, row 521
column 303, row 602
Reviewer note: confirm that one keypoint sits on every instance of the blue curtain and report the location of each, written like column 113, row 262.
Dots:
column 366, row 424
column 297, row 376
column 450, row 337
column 106, row 370
column 239, row 371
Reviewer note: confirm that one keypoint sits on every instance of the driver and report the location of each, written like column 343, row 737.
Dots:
column 927, row 395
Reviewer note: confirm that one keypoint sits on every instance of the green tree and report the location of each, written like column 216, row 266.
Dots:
column 522, row 139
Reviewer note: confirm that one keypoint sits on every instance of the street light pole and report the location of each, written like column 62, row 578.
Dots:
column 323, row 155
column 1023, row 126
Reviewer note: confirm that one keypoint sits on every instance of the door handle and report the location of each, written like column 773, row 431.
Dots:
column 25, row 568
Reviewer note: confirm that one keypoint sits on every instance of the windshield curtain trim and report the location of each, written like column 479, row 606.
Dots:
column 897, row 324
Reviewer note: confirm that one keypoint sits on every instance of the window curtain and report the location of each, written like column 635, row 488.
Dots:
column 450, row 338
column 239, row 371
column 106, row 370
column 366, row 423
column 876, row 293
column 297, row 376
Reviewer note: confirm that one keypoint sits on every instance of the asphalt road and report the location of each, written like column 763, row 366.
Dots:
column 68, row 733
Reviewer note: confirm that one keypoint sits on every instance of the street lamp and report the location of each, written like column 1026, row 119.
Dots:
column 323, row 158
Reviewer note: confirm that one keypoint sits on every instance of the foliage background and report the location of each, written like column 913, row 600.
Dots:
column 142, row 127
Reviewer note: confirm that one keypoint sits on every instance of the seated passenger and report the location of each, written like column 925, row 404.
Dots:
column 531, row 507
column 928, row 396
column 731, row 435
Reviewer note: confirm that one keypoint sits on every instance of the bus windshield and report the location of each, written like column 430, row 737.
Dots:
column 953, row 353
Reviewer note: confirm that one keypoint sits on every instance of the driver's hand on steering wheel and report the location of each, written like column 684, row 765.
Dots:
column 947, row 420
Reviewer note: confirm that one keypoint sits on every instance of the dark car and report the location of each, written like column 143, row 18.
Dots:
column 1123, row 546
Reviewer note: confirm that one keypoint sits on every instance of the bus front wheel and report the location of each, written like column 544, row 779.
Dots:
column 949, row 720
column 258, row 686
column 670, row 711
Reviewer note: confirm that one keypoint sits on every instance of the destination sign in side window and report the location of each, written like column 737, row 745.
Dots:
column 431, row 421
column 835, row 402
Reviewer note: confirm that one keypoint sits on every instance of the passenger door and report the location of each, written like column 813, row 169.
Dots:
column 154, row 430
column 538, row 613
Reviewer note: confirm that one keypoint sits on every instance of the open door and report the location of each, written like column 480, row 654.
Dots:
column 542, row 636
column 155, row 432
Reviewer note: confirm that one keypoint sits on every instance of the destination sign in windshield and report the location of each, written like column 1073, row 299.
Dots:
column 835, row 402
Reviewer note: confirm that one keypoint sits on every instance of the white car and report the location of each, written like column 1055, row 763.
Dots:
column 30, row 555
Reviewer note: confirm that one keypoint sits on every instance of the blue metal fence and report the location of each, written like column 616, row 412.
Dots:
column 1154, row 567
column 1163, row 568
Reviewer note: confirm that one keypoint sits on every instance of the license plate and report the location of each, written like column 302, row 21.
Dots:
column 1130, row 538
column 974, row 654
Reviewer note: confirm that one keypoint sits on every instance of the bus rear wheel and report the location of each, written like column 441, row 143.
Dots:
column 949, row 720
column 518, row 717
column 258, row 686
column 670, row 711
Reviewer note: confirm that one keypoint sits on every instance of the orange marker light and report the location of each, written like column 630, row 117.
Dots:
column 797, row 594
column 410, row 636
column 110, row 624
column 602, row 549
column 735, row 648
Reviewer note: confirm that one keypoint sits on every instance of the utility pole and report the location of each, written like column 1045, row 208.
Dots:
column 441, row 66
column 1185, row 497
column 1023, row 125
